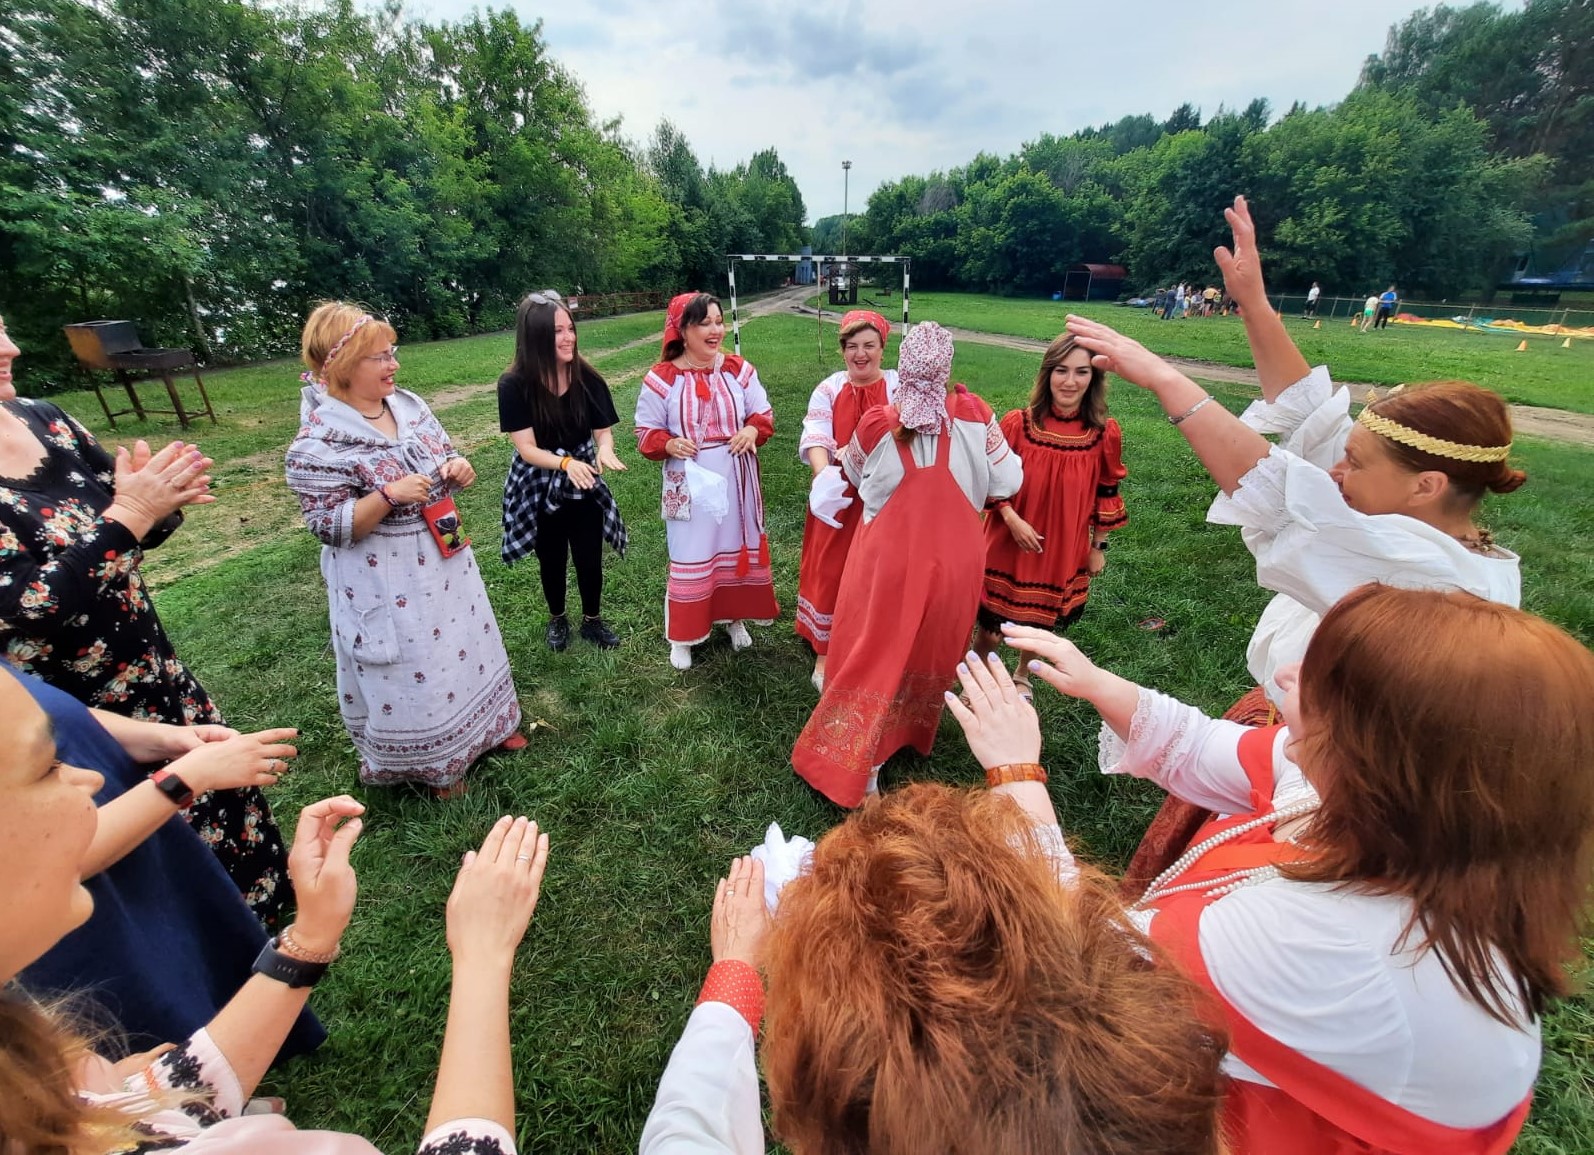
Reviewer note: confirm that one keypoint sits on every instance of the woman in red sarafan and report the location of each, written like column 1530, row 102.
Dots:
column 924, row 467
column 1044, row 545
column 832, row 522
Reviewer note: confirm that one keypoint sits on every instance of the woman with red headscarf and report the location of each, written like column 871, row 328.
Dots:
column 704, row 414
column 924, row 467
column 833, row 412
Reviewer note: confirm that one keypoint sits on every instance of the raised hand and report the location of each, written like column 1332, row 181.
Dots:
column 1242, row 265
column 323, row 879
column 1116, row 353
column 1001, row 726
column 165, row 483
column 1060, row 663
column 238, row 760
column 740, row 922
column 495, row 894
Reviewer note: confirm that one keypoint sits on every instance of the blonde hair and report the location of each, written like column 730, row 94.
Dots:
column 41, row 1112
column 340, row 321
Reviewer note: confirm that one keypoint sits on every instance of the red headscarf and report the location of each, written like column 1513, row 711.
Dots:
column 876, row 322
column 672, row 318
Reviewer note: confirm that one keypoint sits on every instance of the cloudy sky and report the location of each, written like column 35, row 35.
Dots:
column 907, row 86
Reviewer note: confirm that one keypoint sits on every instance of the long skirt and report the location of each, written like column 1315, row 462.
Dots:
column 423, row 678
column 719, row 569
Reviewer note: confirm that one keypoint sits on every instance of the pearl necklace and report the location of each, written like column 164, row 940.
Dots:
column 1234, row 880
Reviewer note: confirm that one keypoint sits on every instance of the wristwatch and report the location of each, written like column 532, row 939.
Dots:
column 173, row 787
column 286, row 969
column 1101, row 545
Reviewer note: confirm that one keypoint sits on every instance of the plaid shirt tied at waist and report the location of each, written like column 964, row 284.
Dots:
column 530, row 492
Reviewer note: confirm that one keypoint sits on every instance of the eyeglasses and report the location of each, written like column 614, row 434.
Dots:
column 390, row 354
column 545, row 297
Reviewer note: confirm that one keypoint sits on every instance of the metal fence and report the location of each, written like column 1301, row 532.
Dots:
column 609, row 304
column 1346, row 308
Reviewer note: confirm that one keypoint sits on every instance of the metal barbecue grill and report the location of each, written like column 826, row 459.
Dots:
column 113, row 346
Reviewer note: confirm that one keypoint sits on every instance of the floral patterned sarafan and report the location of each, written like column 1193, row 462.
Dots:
column 74, row 611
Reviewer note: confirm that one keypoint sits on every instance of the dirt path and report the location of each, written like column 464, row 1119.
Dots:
column 1550, row 424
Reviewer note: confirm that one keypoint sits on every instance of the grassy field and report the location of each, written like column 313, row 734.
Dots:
column 1545, row 374
column 648, row 780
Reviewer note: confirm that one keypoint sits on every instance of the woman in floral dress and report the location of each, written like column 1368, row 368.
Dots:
column 74, row 524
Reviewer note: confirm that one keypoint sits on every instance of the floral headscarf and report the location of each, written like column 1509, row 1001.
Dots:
column 924, row 366
column 672, row 318
column 874, row 320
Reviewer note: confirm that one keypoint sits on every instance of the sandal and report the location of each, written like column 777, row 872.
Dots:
column 516, row 741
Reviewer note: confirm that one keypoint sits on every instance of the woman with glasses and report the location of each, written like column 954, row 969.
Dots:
column 704, row 414
column 423, row 679
column 560, row 416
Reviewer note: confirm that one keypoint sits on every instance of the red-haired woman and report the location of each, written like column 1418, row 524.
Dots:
column 923, row 467
column 1396, row 886
column 1048, row 540
column 704, row 413
column 837, row 404
column 1390, row 496
column 423, row 678
column 941, row 977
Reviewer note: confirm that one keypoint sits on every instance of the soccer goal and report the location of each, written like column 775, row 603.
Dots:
column 819, row 261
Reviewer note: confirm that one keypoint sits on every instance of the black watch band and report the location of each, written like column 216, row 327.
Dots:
column 169, row 784
column 286, row 969
column 1101, row 545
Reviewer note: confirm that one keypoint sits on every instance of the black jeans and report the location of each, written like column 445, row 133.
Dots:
column 1381, row 319
column 574, row 530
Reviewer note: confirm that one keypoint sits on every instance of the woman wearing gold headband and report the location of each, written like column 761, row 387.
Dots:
column 1391, row 496
column 423, row 678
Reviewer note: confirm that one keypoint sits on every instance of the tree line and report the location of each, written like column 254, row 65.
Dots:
column 211, row 168
column 1468, row 141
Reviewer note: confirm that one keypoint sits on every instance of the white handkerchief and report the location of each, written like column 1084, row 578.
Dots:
column 784, row 859
column 827, row 497
column 709, row 492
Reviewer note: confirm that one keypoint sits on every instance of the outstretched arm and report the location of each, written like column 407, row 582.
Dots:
column 1279, row 363
column 1226, row 446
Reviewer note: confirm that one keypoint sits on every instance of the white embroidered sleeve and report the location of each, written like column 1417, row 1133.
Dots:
column 1311, row 418
column 1188, row 754
column 819, row 429
column 1007, row 467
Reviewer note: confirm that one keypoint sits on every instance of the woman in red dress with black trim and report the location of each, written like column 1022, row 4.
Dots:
column 924, row 468
column 1045, row 544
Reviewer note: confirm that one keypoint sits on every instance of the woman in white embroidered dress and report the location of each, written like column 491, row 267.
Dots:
column 55, row 1095
column 1397, row 889
column 423, row 678
column 704, row 413
column 834, row 410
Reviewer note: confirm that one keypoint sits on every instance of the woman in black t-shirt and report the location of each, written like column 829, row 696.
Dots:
column 557, row 411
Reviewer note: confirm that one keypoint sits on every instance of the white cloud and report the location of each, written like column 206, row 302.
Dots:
column 905, row 87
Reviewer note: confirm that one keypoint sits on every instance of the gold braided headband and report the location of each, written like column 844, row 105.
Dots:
column 1437, row 446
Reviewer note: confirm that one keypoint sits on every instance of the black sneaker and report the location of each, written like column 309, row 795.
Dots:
column 600, row 635
column 558, row 633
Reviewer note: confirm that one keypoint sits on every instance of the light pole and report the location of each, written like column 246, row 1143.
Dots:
column 846, row 173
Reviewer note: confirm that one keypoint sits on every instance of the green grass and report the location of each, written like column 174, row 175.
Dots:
column 649, row 781
column 1545, row 374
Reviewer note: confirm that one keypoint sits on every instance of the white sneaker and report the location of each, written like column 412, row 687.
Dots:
column 874, row 781
column 740, row 638
column 680, row 655
column 818, row 680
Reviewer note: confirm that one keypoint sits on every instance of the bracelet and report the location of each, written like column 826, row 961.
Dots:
column 381, row 492
column 1015, row 772
column 1101, row 545
column 564, row 464
column 289, row 946
column 1190, row 412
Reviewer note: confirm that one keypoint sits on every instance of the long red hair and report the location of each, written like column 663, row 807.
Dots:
column 933, row 986
column 1452, row 740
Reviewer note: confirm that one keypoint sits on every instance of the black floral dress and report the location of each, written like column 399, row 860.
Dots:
column 74, row 611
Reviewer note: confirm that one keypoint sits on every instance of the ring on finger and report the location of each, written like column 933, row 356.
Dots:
column 522, row 858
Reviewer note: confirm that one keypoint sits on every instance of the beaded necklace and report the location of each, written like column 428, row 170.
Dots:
column 1235, row 879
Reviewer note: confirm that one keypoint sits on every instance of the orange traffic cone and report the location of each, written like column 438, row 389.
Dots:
column 1317, row 324
column 1522, row 347
column 1566, row 344
column 1353, row 322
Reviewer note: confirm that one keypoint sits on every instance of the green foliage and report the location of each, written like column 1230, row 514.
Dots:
column 262, row 157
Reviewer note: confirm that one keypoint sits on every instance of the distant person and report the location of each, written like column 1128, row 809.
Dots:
column 1312, row 295
column 837, row 405
column 1044, row 544
column 1170, row 301
column 703, row 413
column 1387, row 303
column 423, row 678
column 560, row 417
column 925, row 467
column 1209, row 300
column 1369, row 310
